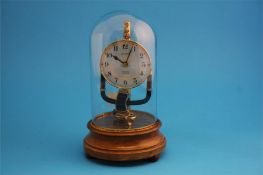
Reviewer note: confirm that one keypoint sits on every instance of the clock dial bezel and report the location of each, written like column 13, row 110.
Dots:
column 132, row 43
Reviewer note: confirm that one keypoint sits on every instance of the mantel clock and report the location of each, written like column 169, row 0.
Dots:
column 123, row 91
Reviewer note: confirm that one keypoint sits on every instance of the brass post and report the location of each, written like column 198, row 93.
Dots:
column 127, row 30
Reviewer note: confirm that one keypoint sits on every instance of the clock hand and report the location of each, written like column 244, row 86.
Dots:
column 117, row 58
column 128, row 56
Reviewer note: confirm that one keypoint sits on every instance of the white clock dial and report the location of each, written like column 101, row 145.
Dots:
column 125, row 64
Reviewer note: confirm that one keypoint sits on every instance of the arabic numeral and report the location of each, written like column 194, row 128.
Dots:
column 115, row 48
column 125, row 46
column 135, row 80
column 106, row 64
column 109, row 54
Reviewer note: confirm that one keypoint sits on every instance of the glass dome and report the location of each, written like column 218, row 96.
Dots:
column 113, row 31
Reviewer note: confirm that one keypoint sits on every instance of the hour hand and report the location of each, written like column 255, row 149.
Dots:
column 117, row 58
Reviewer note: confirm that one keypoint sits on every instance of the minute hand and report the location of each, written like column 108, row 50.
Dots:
column 128, row 56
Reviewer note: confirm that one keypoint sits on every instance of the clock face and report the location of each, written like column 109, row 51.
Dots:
column 125, row 64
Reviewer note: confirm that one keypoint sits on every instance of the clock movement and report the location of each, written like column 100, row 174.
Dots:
column 123, row 91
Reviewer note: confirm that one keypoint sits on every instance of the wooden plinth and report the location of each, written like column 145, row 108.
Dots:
column 124, row 144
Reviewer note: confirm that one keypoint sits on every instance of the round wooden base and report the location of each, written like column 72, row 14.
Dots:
column 124, row 145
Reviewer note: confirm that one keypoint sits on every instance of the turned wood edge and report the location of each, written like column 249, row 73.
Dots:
column 132, row 148
column 151, row 153
column 124, row 132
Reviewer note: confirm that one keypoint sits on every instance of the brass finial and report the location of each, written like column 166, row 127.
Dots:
column 127, row 30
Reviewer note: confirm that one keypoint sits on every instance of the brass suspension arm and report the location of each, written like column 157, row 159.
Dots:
column 129, row 102
column 102, row 91
column 148, row 94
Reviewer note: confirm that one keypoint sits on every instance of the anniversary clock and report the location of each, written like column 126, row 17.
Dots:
column 123, row 91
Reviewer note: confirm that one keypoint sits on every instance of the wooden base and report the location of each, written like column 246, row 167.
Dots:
column 125, row 144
